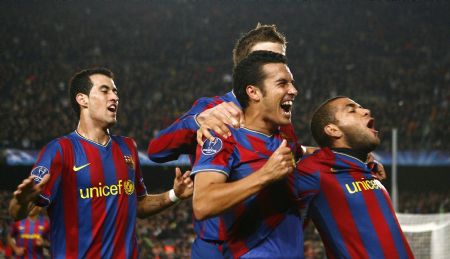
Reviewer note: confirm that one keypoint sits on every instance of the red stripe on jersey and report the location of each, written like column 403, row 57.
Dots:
column 98, row 203
column 70, row 199
column 341, row 210
column 55, row 171
column 36, row 231
column 165, row 141
column 379, row 222
column 119, row 243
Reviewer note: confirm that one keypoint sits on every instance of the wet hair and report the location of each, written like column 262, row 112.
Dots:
column 250, row 72
column 81, row 83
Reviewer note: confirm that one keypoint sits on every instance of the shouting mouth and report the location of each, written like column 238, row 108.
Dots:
column 286, row 107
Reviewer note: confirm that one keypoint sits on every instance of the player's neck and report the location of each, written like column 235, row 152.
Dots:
column 96, row 134
column 255, row 121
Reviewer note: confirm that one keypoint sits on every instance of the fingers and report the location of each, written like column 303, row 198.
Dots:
column 178, row 173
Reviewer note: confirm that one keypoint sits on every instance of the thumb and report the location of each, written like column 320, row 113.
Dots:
column 177, row 173
column 283, row 144
column 44, row 181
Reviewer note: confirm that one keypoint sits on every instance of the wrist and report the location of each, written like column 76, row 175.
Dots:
column 173, row 197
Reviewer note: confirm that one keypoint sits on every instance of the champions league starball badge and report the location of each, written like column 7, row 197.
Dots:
column 39, row 172
column 212, row 147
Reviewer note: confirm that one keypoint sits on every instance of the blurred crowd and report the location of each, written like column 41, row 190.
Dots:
column 170, row 234
column 390, row 57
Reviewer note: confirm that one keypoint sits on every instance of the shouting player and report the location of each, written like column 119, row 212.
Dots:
column 216, row 113
column 347, row 203
column 90, row 181
column 244, row 178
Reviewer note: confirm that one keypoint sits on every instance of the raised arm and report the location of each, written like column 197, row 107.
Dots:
column 180, row 137
column 153, row 204
column 213, row 195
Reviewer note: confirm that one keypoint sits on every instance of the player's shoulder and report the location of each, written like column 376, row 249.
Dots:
column 320, row 156
column 124, row 139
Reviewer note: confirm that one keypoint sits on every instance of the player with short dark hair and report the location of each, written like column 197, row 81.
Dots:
column 244, row 178
column 90, row 180
column 216, row 113
column 348, row 204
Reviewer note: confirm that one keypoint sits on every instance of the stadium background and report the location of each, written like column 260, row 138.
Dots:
column 390, row 56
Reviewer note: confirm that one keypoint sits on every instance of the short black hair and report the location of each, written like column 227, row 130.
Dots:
column 81, row 83
column 322, row 116
column 249, row 72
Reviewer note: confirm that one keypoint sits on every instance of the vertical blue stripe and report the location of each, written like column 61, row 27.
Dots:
column 390, row 219
column 321, row 212
column 132, row 200
column 110, row 175
column 84, row 206
column 58, row 230
column 359, row 209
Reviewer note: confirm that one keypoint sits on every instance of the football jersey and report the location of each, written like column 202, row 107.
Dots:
column 180, row 137
column 26, row 232
column 91, row 196
column 350, row 207
column 253, row 222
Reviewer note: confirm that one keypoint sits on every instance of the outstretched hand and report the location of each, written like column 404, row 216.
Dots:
column 217, row 119
column 28, row 191
column 183, row 185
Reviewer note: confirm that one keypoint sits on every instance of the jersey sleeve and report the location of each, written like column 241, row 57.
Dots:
column 180, row 137
column 50, row 161
column 307, row 183
column 214, row 156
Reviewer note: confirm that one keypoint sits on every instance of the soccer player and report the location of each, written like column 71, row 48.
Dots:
column 28, row 237
column 90, row 181
column 244, row 178
column 216, row 113
column 347, row 203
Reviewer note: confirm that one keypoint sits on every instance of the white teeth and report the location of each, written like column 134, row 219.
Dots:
column 287, row 103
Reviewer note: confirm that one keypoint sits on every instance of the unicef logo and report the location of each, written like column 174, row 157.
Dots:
column 39, row 172
column 128, row 186
column 212, row 147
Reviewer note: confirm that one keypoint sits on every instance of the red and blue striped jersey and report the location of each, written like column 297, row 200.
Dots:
column 26, row 232
column 350, row 207
column 180, row 137
column 91, row 196
column 254, row 222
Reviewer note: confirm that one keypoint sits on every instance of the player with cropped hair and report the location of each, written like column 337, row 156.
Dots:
column 244, row 179
column 215, row 113
column 338, row 189
column 90, row 180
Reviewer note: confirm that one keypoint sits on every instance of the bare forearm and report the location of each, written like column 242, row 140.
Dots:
column 153, row 204
column 216, row 198
column 19, row 211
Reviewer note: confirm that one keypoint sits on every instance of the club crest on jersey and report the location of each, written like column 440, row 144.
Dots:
column 212, row 147
column 130, row 162
column 39, row 172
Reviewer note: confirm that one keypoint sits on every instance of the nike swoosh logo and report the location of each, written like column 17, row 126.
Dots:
column 75, row 169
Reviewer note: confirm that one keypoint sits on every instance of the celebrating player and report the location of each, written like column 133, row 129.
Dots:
column 244, row 178
column 216, row 113
column 90, row 181
column 28, row 237
column 349, row 206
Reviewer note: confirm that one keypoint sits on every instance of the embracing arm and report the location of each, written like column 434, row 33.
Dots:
column 24, row 196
